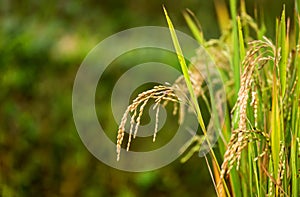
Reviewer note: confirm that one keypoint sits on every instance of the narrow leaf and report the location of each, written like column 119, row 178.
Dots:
column 184, row 69
column 194, row 25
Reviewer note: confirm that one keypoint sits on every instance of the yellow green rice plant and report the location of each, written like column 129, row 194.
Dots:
column 260, row 143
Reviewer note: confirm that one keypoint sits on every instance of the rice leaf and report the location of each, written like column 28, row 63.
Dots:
column 284, row 53
column 222, row 14
column 275, row 127
column 184, row 69
column 241, row 39
column 194, row 25
column 235, row 40
column 294, row 166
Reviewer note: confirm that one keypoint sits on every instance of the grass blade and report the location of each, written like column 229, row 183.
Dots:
column 222, row 14
column 184, row 69
column 241, row 39
column 294, row 166
column 275, row 128
column 194, row 25
column 284, row 52
column 190, row 88
column 236, row 55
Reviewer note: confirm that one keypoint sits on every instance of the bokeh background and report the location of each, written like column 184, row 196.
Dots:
column 42, row 44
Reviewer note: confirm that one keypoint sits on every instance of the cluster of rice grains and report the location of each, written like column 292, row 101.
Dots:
column 161, row 95
column 259, row 54
column 256, row 58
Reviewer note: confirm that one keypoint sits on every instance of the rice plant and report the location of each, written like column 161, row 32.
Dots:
column 260, row 144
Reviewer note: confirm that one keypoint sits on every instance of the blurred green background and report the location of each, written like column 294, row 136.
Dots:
column 42, row 44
